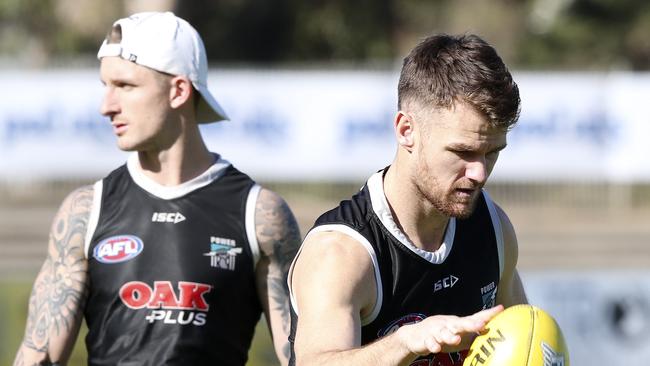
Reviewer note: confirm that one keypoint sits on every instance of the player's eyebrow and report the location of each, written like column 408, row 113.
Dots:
column 460, row 146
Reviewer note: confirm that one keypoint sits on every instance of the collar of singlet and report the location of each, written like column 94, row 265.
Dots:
column 382, row 210
column 213, row 173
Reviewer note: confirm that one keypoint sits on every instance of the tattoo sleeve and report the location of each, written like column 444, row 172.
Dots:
column 279, row 238
column 60, row 289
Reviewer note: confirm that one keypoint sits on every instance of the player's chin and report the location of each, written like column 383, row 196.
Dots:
column 126, row 144
column 463, row 211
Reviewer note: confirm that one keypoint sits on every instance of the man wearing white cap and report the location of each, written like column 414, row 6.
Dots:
column 171, row 258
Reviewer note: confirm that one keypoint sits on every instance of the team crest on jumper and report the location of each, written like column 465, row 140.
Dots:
column 489, row 295
column 223, row 253
column 551, row 357
column 395, row 324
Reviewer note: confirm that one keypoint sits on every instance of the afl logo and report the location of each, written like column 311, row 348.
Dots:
column 118, row 249
column 395, row 324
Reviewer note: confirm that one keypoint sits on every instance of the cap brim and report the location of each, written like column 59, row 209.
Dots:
column 208, row 110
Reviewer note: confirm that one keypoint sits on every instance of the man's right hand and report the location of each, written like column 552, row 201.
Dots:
column 445, row 333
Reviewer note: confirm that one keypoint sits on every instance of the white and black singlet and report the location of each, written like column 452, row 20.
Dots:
column 171, row 269
column 460, row 278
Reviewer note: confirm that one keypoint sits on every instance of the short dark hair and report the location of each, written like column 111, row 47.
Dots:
column 444, row 69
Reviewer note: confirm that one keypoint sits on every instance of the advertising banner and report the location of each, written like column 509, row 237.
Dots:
column 328, row 125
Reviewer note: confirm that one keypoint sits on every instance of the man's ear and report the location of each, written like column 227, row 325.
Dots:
column 404, row 130
column 180, row 91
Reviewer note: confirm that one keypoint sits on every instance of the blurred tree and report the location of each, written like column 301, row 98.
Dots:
column 344, row 30
column 237, row 30
column 533, row 34
column 292, row 30
column 591, row 34
column 498, row 22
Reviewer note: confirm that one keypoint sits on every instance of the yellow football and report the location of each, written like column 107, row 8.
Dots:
column 521, row 335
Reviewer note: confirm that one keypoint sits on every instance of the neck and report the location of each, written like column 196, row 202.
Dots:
column 415, row 216
column 185, row 159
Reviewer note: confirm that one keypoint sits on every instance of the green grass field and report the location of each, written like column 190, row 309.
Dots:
column 14, row 296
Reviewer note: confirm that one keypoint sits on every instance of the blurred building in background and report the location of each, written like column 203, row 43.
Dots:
column 310, row 87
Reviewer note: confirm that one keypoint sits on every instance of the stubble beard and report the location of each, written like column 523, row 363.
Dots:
column 442, row 200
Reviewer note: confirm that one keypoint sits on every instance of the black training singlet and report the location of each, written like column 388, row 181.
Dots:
column 460, row 278
column 171, row 269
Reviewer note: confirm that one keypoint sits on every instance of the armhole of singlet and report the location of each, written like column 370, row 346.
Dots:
column 498, row 233
column 251, row 203
column 373, row 257
column 93, row 219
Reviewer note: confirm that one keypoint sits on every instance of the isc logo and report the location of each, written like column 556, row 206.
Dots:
column 118, row 249
column 173, row 217
column 447, row 282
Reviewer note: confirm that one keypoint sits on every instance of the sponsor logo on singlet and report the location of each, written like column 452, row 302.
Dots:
column 171, row 217
column 118, row 249
column 184, row 305
column 447, row 282
column 440, row 359
column 223, row 253
column 395, row 324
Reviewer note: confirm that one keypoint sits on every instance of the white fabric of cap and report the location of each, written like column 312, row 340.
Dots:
column 169, row 44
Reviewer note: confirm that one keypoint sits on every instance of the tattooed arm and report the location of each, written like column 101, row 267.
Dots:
column 59, row 293
column 278, row 237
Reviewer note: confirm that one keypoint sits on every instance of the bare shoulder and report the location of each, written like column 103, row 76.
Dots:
column 337, row 245
column 71, row 221
column 337, row 262
column 275, row 225
column 79, row 201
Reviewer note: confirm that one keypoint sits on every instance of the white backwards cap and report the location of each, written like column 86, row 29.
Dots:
column 169, row 44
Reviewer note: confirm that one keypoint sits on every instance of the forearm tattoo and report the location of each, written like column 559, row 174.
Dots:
column 279, row 238
column 60, row 288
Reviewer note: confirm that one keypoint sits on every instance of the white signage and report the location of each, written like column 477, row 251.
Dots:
column 329, row 125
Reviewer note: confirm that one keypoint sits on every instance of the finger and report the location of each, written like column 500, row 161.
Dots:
column 431, row 344
column 449, row 336
column 487, row 314
column 469, row 324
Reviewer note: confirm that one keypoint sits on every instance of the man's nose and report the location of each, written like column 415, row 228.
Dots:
column 109, row 104
column 477, row 170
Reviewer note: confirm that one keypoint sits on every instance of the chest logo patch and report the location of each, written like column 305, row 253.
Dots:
column 118, row 249
column 395, row 324
column 223, row 253
column 447, row 282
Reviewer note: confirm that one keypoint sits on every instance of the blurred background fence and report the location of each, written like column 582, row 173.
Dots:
column 311, row 91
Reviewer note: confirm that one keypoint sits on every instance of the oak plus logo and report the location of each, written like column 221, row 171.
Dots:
column 171, row 217
column 166, row 305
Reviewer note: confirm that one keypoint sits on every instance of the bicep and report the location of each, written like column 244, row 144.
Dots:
column 511, row 290
column 60, row 289
column 332, row 282
column 278, row 238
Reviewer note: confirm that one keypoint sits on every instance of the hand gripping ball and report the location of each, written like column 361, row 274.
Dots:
column 522, row 335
